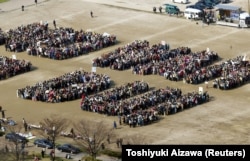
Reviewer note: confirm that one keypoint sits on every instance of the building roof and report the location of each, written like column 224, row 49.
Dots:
column 227, row 7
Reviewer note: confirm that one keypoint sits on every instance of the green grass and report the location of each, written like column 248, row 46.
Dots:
column 11, row 157
column 112, row 153
column 1, row 1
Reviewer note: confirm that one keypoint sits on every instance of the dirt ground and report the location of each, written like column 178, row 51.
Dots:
column 224, row 120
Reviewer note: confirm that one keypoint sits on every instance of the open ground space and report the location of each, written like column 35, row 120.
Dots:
column 223, row 120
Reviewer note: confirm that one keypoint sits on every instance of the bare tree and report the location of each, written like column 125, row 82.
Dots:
column 53, row 126
column 93, row 136
column 3, row 154
column 14, row 148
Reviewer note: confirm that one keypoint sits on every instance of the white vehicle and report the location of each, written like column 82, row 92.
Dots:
column 192, row 13
column 244, row 20
column 181, row 1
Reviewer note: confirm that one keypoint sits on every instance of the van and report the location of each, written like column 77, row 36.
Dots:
column 244, row 19
column 192, row 13
column 171, row 9
column 181, row 1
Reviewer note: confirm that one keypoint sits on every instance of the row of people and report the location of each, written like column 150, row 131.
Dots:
column 10, row 67
column 91, row 103
column 60, row 43
column 137, row 52
column 67, row 87
column 2, row 37
column 234, row 73
column 144, row 109
column 174, row 64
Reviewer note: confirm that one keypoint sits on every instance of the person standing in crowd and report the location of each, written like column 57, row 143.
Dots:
column 36, row 2
column 54, row 23
column 3, row 114
column 120, row 119
column 24, row 121
column 72, row 133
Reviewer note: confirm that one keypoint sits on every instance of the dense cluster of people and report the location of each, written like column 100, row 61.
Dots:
column 173, row 64
column 67, row 87
column 10, row 67
column 60, row 43
column 132, row 54
column 139, row 110
column 95, row 102
column 234, row 73
column 2, row 37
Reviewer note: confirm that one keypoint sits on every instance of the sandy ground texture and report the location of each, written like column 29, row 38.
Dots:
column 224, row 120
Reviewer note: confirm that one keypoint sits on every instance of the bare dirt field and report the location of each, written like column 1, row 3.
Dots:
column 223, row 120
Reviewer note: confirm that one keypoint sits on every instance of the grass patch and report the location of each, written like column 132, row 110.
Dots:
column 89, row 158
column 30, row 157
column 1, row 1
column 111, row 153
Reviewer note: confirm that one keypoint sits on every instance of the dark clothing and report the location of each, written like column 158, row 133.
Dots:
column 3, row 114
column 43, row 153
column 54, row 23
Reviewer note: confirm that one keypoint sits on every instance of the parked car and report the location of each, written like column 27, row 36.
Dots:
column 225, row 1
column 192, row 13
column 16, row 138
column 68, row 148
column 207, row 3
column 44, row 143
column 171, row 9
column 197, row 6
column 8, row 122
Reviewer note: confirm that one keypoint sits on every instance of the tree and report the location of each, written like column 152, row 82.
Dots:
column 93, row 136
column 14, row 149
column 53, row 126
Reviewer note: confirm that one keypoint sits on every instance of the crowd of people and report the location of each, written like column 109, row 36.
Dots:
column 67, row 87
column 10, row 67
column 2, row 37
column 132, row 54
column 59, row 43
column 159, row 59
column 95, row 102
column 142, row 109
column 234, row 73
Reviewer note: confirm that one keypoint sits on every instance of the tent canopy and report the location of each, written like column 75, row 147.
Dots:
column 227, row 7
